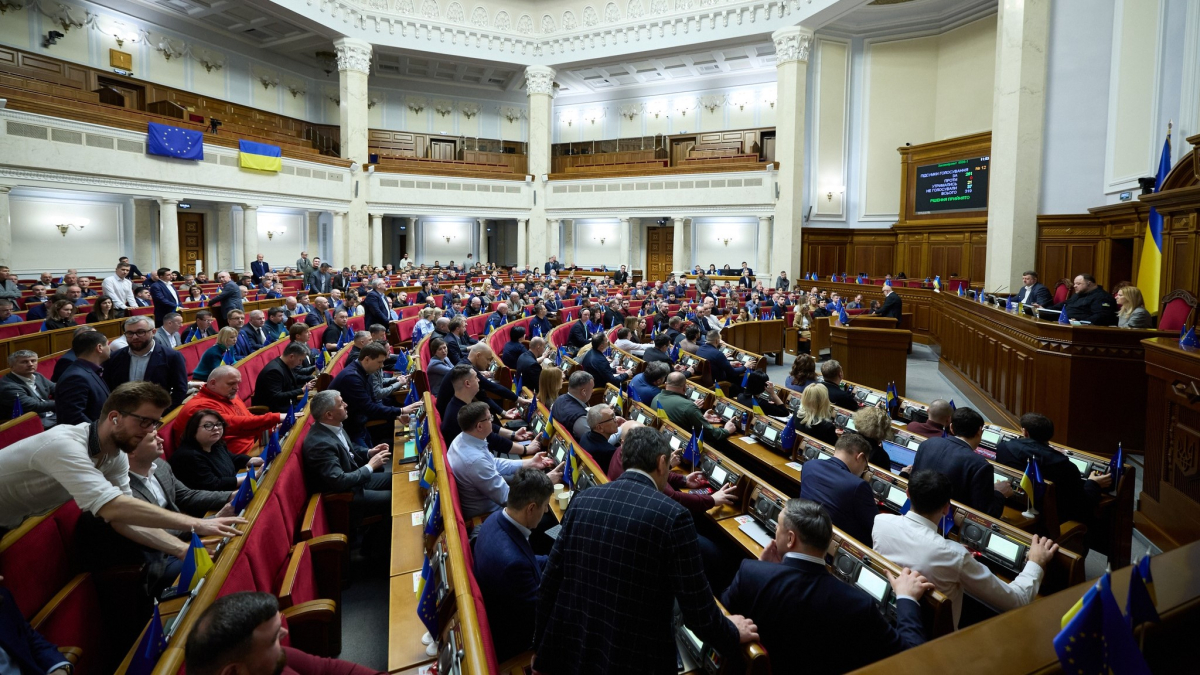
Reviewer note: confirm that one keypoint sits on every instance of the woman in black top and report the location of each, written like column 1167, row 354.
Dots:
column 61, row 315
column 202, row 461
column 874, row 424
column 757, row 383
column 102, row 310
column 816, row 415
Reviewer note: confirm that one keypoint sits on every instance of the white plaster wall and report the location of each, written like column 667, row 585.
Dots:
column 433, row 245
column 92, row 251
column 709, row 245
column 738, row 107
column 281, row 249
column 1133, row 104
column 590, row 251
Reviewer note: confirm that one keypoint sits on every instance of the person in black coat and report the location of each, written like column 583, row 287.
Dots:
column 334, row 463
column 602, row 424
column 788, row 592
column 718, row 364
column 80, row 393
column 28, row 652
column 837, row 485
column 353, row 383
column 596, row 363
column 513, row 349
column 971, row 476
column 376, row 307
column 1033, row 292
column 529, row 365
column 277, row 386
column 646, row 544
column 1077, row 496
column 229, row 299
column 892, row 304
column 1090, row 303
column 166, row 298
column 441, row 331
column 620, row 276
column 581, row 332
column 831, row 372
column 164, row 367
column 202, row 461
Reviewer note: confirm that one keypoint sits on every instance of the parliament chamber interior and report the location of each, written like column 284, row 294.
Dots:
column 723, row 358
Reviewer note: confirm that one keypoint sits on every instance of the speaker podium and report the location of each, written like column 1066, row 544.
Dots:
column 871, row 356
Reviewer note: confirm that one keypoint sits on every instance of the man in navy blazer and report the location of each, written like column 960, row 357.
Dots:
column 971, row 476
column 508, row 571
column 836, row 484
column 376, row 306
column 353, row 383
column 163, row 366
column 1033, row 292
column 596, row 363
column 258, row 269
column 228, row 300
column 796, row 603
column 28, row 652
column 80, row 393
column 166, row 299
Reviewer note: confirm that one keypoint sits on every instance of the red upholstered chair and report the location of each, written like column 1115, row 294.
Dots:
column 19, row 429
column 1177, row 310
column 1062, row 291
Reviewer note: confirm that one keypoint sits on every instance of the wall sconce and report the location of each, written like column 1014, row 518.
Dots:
column 327, row 61
column 512, row 114
column 769, row 100
column 5, row 6
column 725, row 241
column 711, row 103
column 121, row 37
column 830, row 189
column 443, row 108
column 271, row 232
column 209, row 60
column 448, row 237
column 77, row 223
column 599, row 239
column 630, row 111
column 417, row 107
column 296, row 90
column 372, row 102
column 593, row 115
column 168, row 49
column 336, row 101
column 469, row 110
column 268, row 81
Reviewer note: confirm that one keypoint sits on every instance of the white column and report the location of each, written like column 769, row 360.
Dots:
column 376, row 259
column 522, row 243
column 168, row 234
column 637, row 246
column 313, row 241
column 1018, row 118
column 410, row 239
column 791, row 49
column 354, row 65
column 539, row 85
column 483, row 240
column 249, row 234
column 224, row 260
column 144, row 223
column 568, row 257
column 680, row 256
column 338, row 239
column 553, row 227
column 6, row 249
column 763, row 264
column 623, row 241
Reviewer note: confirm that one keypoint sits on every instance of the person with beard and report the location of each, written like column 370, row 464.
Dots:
column 89, row 463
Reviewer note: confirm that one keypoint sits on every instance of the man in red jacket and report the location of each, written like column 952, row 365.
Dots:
column 241, row 633
column 220, row 393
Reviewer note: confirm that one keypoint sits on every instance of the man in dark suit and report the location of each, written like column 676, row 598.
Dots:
column 788, row 592
column 277, row 385
column 973, row 480
column 162, row 292
column 892, row 305
column 320, row 281
column 28, row 652
column 333, row 462
column 80, row 393
column 145, row 359
column 612, row 316
column 513, row 349
column 229, row 299
column 1033, row 292
column 581, row 332
column 603, row 423
column 620, row 276
column 1077, row 496
column 441, row 330
column 570, row 409
column 529, row 365
column 25, row 384
column 353, row 383
column 376, row 306
column 508, row 571
column 553, row 265
column 718, row 364
column 596, row 363
column 258, row 269
column 837, row 485
column 253, row 336
column 646, row 544
column 831, row 374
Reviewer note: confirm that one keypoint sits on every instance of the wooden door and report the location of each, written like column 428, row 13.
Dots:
column 680, row 149
column 660, row 253
column 134, row 95
column 441, row 150
column 191, row 245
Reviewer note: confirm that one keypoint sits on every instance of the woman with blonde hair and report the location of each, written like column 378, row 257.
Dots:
column 803, row 325
column 550, row 384
column 1133, row 312
column 874, row 425
column 226, row 338
column 816, row 415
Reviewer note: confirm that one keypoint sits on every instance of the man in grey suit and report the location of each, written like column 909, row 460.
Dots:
column 25, row 384
column 152, row 480
column 321, row 280
column 304, row 265
column 169, row 334
column 333, row 463
column 229, row 299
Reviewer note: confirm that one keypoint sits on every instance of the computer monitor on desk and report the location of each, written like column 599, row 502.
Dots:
column 900, row 455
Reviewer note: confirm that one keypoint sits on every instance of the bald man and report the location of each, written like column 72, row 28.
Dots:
column 939, row 420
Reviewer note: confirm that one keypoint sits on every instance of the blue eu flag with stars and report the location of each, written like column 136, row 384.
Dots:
column 169, row 141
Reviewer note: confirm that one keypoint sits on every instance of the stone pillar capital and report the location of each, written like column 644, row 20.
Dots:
column 353, row 54
column 792, row 44
column 5, row 189
column 539, row 80
column 249, row 207
column 167, row 201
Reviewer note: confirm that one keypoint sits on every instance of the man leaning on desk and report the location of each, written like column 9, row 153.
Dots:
column 1090, row 303
column 803, row 612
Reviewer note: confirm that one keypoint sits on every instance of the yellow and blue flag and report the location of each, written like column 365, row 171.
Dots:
column 1139, row 606
column 245, row 491
column 658, row 410
column 427, row 603
column 150, row 649
column 1032, row 483
column 1095, row 637
column 1150, row 268
column 168, row 141
column 434, row 525
column 196, row 565
column 259, row 156
column 428, row 475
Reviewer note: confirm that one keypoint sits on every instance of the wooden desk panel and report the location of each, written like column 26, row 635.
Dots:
column 1169, row 506
column 1077, row 376
column 873, row 356
column 404, row 627
column 759, row 337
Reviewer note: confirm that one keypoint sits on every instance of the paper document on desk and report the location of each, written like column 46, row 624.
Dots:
column 756, row 532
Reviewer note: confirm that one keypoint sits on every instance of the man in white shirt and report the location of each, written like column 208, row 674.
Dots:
column 912, row 540
column 88, row 463
column 120, row 288
column 480, row 474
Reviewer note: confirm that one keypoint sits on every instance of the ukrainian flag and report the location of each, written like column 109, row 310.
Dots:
column 1150, row 268
column 196, row 565
column 259, row 156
